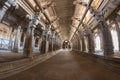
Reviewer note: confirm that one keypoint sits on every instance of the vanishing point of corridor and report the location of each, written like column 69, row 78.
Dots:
column 66, row 65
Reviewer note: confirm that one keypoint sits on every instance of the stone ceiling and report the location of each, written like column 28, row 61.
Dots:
column 69, row 12
column 64, row 10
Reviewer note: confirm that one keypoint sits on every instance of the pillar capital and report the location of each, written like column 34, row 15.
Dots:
column 12, row 2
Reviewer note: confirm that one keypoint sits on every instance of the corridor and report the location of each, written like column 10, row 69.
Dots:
column 66, row 65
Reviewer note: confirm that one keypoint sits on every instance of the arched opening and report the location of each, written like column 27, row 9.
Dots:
column 98, row 46
column 36, row 42
column 114, row 38
column 66, row 45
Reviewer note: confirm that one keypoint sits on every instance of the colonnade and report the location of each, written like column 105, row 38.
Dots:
column 25, row 33
column 85, row 37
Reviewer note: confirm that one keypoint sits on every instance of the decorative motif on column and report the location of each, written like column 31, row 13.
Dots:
column 17, row 42
column 106, row 35
column 6, row 6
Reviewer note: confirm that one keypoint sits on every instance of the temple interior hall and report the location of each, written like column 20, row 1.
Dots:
column 59, row 39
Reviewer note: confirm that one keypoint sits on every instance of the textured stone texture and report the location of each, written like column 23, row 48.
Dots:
column 66, row 66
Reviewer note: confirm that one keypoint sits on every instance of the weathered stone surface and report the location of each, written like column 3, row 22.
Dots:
column 66, row 66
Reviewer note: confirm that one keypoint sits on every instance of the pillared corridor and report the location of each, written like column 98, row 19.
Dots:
column 67, row 65
column 60, row 39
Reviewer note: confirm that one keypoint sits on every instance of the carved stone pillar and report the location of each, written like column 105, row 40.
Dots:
column 43, row 44
column 47, row 43
column 54, row 44
column 29, row 41
column 83, row 44
column 23, row 37
column 106, row 35
column 82, row 41
column 50, row 45
column 77, row 42
column 39, row 43
column 91, row 45
column 79, row 45
column 17, row 41
column 10, row 46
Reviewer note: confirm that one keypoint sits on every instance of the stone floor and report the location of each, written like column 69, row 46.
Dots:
column 9, row 56
column 66, row 65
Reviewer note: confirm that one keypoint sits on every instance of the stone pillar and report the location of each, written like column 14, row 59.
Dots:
column 47, row 43
column 91, row 45
column 80, row 44
column 5, row 7
column 17, row 41
column 52, row 43
column 29, row 41
column 10, row 45
column 83, row 44
column 43, row 44
column 106, row 35
column 40, row 43
column 78, row 39
column 23, row 37
column 77, row 42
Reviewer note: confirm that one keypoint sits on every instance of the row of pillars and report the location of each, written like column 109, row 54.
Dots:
column 45, row 44
column 105, row 36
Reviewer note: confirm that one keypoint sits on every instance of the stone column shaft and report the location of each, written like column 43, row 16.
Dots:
column 44, row 44
column 91, row 44
column 28, row 47
column 17, row 41
column 10, row 46
column 83, row 44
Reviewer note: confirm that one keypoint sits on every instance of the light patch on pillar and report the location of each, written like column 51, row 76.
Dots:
column 97, row 42
column 115, row 39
